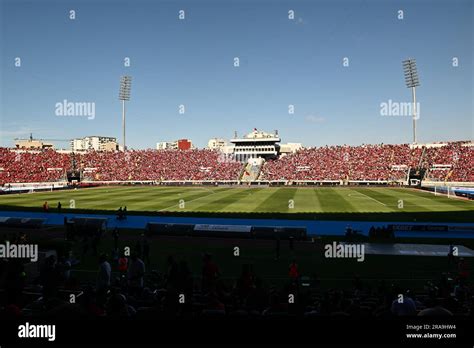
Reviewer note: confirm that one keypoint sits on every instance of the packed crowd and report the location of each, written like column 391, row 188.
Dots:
column 159, row 165
column 365, row 162
column 32, row 166
column 372, row 162
column 126, row 288
column 457, row 159
column 49, row 165
column 463, row 167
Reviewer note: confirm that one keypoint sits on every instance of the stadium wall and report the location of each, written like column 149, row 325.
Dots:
column 45, row 186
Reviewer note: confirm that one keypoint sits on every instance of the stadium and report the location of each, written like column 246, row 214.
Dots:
column 374, row 195
column 354, row 225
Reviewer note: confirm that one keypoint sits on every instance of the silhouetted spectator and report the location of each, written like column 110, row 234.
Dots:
column 115, row 235
column 136, row 273
column 277, row 247
column 210, row 273
column 103, row 274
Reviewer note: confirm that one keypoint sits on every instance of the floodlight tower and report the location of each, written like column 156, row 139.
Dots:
column 124, row 95
column 412, row 81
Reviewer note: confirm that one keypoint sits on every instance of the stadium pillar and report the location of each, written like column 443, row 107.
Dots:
column 123, row 123
column 124, row 95
column 413, row 92
column 412, row 81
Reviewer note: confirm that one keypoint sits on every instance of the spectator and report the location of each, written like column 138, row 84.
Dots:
column 123, row 264
column 210, row 273
column 103, row 275
column 49, row 277
column 403, row 305
column 115, row 235
column 146, row 250
column 172, row 276
column 277, row 247
column 293, row 270
column 136, row 273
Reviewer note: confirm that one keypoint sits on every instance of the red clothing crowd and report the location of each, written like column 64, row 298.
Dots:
column 371, row 162
column 365, row 162
column 49, row 165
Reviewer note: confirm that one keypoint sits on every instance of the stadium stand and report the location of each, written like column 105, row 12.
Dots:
column 142, row 294
column 453, row 162
column 32, row 166
column 369, row 162
column 159, row 165
column 366, row 162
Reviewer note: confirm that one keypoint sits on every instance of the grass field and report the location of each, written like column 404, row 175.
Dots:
column 326, row 201
column 322, row 202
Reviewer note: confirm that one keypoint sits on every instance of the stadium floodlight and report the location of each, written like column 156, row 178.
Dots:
column 124, row 95
column 412, row 81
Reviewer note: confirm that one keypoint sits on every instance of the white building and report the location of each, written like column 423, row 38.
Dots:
column 32, row 144
column 256, row 144
column 216, row 143
column 290, row 148
column 181, row 144
column 166, row 145
column 94, row 142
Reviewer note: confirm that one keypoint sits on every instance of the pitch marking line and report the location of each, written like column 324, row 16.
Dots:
column 192, row 200
column 370, row 198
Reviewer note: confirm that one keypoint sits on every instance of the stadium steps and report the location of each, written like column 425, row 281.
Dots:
column 251, row 172
column 420, row 162
column 242, row 171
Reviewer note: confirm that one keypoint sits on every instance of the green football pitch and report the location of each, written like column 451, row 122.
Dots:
column 301, row 201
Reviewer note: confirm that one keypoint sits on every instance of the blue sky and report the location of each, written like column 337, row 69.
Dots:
column 282, row 62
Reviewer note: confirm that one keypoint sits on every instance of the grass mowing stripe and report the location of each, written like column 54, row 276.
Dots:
column 316, row 200
column 160, row 200
column 308, row 200
column 334, row 201
column 133, row 202
column 191, row 205
column 188, row 198
column 144, row 199
column 370, row 197
column 221, row 203
column 391, row 196
column 38, row 198
column 426, row 203
column 111, row 199
column 305, row 200
column 413, row 203
column 363, row 203
column 250, row 201
column 278, row 200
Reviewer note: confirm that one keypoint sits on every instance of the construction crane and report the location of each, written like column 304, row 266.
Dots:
column 31, row 139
